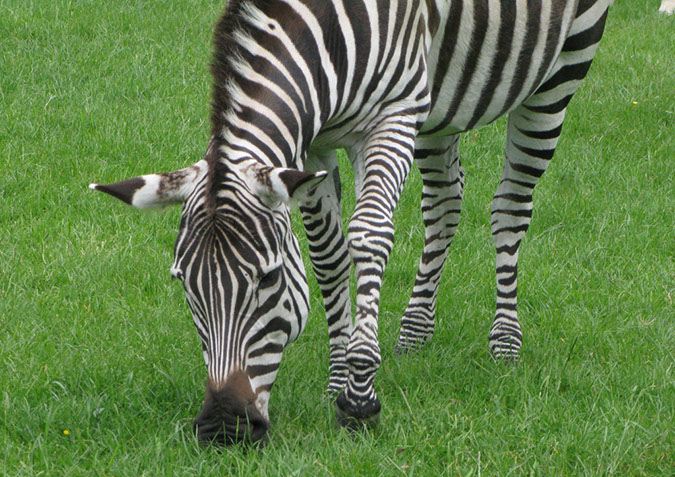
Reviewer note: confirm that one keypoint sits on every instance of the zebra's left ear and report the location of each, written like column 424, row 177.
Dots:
column 278, row 184
column 156, row 190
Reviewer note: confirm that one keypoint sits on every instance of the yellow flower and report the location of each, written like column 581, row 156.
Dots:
column 66, row 432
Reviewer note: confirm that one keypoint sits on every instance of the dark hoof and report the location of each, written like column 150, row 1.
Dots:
column 355, row 424
column 209, row 434
column 354, row 418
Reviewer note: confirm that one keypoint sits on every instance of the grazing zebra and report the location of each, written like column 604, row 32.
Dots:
column 389, row 81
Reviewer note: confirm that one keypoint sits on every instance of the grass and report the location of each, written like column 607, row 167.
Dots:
column 101, row 370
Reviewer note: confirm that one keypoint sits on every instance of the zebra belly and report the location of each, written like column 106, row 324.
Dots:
column 489, row 56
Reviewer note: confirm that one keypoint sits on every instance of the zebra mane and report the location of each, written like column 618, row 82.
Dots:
column 226, row 50
column 232, row 23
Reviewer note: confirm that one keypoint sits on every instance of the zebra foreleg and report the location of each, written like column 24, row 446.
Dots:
column 387, row 157
column 443, row 179
column 330, row 260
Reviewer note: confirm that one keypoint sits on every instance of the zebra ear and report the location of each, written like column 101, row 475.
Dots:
column 155, row 190
column 277, row 184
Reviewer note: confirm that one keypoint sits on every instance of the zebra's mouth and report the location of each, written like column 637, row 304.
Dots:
column 231, row 432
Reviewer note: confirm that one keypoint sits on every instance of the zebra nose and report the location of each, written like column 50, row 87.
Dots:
column 249, row 428
column 229, row 415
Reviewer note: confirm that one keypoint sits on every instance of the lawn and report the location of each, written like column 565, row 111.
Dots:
column 101, row 370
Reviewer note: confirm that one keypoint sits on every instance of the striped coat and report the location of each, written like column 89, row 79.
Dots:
column 391, row 82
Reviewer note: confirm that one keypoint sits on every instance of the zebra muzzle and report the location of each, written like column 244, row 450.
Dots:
column 229, row 415
column 232, row 430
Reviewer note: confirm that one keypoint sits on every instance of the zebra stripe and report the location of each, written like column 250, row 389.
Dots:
column 391, row 82
column 230, row 262
column 370, row 93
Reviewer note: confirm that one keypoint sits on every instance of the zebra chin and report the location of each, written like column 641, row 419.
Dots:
column 229, row 415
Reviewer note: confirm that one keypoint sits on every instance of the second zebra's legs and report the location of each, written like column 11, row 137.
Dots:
column 330, row 258
column 443, row 183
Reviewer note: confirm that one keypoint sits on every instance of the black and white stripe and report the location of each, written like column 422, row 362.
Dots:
column 391, row 82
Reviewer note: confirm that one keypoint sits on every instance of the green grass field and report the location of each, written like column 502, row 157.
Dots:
column 101, row 371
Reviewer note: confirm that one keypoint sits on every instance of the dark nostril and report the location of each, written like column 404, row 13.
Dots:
column 228, row 430
column 258, row 427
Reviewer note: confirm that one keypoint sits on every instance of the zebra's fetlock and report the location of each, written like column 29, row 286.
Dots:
column 505, row 343
column 417, row 330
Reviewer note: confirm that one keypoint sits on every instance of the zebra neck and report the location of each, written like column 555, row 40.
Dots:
column 262, row 107
column 240, row 153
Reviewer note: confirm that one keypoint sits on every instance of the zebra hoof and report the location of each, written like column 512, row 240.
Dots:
column 357, row 419
column 505, row 344
column 407, row 346
column 507, row 353
column 355, row 424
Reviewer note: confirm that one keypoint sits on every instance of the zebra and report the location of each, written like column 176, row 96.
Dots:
column 390, row 82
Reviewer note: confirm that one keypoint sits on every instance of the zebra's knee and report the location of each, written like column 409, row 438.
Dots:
column 370, row 241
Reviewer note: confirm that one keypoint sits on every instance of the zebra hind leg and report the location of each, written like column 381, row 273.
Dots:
column 443, row 185
column 330, row 260
column 532, row 138
column 533, row 132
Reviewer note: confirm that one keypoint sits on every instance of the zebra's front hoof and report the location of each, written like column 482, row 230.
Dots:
column 355, row 424
column 357, row 418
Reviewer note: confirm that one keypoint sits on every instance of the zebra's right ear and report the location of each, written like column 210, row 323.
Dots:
column 278, row 184
column 156, row 190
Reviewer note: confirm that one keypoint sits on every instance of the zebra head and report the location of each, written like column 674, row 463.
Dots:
column 243, row 276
